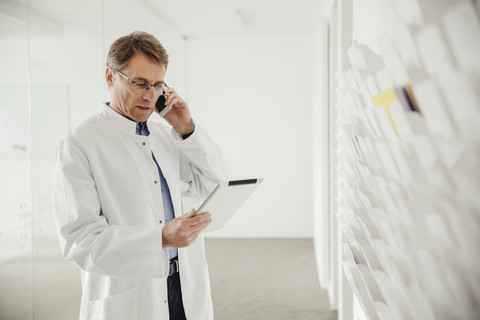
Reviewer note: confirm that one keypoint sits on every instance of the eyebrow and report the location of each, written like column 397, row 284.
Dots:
column 146, row 80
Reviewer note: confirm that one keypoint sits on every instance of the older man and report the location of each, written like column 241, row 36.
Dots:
column 119, row 184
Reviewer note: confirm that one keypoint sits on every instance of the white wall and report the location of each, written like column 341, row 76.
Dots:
column 320, row 165
column 254, row 96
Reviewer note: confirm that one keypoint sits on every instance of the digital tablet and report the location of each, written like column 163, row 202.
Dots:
column 226, row 199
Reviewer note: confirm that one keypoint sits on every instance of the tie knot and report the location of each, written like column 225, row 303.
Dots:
column 142, row 129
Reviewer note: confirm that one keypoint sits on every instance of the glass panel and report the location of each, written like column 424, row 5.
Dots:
column 66, row 74
column 16, row 284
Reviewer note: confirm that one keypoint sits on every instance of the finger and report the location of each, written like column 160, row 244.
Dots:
column 200, row 217
column 194, row 223
column 169, row 92
column 199, row 227
column 201, row 224
column 170, row 101
column 173, row 101
column 189, row 214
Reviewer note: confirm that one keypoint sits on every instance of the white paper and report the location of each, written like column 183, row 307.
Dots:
column 384, row 80
column 359, row 75
column 433, row 50
column 409, row 10
column 420, row 302
column 383, row 311
column 395, row 301
column 417, row 123
column 357, row 252
column 352, row 275
column 405, row 44
column 401, row 161
column 433, row 108
column 366, row 95
column 462, row 97
column 388, row 12
column 350, row 79
column 424, row 151
column 364, row 296
column 349, row 102
column 368, row 58
column 387, row 160
column 350, row 217
column 392, row 60
column 398, row 113
column 371, row 284
column 365, row 127
column 386, row 124
column 450, row 152
column 371, row 257
column 348, row 254
column 463, row 30
column 370, row 113
column 372, row 86
column 355, row 59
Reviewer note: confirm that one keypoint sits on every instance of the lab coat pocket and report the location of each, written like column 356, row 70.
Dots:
column 122, row 306
column 189, row 198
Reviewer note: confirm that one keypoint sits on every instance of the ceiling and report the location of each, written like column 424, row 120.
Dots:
column 200, row 18
column 192, row 18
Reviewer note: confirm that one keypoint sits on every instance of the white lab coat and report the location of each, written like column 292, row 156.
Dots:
column 109, row 215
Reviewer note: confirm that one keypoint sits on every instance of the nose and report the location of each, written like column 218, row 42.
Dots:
column 149, row 94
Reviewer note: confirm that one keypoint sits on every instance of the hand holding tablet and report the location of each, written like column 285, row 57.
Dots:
column 226, row 199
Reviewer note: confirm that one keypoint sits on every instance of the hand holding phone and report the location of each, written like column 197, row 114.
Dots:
column 161, row 107
column 180, row 118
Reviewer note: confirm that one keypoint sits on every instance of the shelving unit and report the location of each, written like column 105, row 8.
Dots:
column 405, row 163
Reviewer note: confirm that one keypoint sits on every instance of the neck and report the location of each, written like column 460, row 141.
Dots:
column 117, row 110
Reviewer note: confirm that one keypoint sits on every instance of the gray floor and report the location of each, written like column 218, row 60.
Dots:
column 251, row 279
column 265, row 279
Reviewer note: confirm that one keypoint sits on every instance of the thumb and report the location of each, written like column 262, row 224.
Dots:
column 190, row 213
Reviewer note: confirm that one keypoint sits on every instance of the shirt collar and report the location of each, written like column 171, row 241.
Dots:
column 123, row 123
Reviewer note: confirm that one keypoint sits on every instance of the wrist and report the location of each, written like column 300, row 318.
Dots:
column 165, row 243
column 188, row 128
column 186, row 131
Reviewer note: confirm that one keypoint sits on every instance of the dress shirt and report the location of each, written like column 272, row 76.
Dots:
column 142, row 129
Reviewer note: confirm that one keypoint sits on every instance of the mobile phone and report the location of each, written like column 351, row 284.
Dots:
column 161, row 107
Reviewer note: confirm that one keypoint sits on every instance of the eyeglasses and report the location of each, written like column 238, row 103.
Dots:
column 142, row 85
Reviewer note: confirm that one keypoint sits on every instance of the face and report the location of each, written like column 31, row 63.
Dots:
column 133, row 103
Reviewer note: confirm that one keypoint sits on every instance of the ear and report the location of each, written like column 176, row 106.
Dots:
column 109, row 76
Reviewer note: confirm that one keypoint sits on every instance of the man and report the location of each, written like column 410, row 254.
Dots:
column 119, row 184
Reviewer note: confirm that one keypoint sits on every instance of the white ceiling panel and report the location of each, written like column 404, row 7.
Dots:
column 198, row 18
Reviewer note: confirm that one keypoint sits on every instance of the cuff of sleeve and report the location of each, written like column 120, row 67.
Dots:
column 163, row 256
column 178, row 136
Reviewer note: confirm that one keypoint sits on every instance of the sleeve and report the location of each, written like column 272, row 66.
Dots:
column 202, row 163
column 86, row 238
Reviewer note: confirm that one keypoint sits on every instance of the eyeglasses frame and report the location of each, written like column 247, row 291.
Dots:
column 164, row 86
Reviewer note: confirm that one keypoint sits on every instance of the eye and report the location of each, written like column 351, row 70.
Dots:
column 141, row 85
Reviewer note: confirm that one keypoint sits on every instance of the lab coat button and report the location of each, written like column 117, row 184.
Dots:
column 143, row 143
column 160, row 221
column 155, row 182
